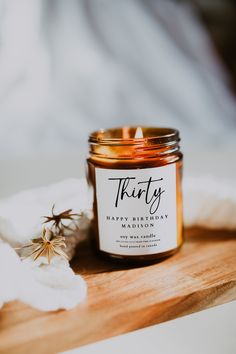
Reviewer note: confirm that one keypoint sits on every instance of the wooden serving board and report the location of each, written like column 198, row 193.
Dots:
column 120, row 300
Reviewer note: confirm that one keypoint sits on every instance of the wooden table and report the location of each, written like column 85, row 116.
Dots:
column 120, row 300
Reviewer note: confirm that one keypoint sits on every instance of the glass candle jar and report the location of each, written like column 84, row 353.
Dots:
column 135, row 175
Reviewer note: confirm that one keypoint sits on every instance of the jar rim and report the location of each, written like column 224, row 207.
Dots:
column 151, row 136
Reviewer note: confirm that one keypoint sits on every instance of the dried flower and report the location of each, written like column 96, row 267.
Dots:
column 49, row 245
column 57, row 219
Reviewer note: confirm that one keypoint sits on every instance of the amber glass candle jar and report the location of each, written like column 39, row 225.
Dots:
column 135, row 175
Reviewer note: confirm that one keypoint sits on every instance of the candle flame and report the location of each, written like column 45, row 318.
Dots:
column 138, row 133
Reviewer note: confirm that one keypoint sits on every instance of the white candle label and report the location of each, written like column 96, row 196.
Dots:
column 137, row 210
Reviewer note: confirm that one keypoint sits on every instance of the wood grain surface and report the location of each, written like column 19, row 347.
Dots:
column 123, row 299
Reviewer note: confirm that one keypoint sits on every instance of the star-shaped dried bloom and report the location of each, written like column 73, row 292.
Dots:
column 57, row 219
column 48, row 245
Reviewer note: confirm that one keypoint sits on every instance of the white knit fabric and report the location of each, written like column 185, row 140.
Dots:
column 46, row 287
column 210, row 202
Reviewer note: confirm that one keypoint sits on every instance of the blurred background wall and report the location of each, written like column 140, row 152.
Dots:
column 70, row 67
column 219, row 19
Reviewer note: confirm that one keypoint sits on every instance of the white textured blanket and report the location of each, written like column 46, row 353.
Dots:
column 46, row 287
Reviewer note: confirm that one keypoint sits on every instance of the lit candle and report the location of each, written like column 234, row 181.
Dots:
column 135, row 175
